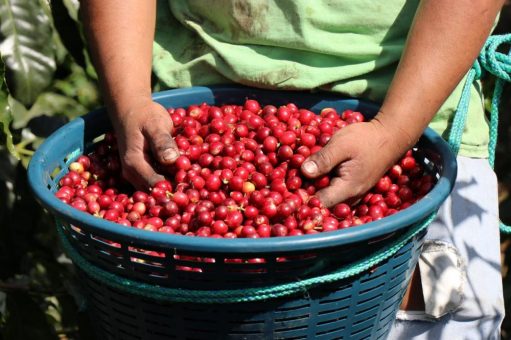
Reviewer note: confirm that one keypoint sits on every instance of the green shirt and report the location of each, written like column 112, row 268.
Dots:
column 347, row 46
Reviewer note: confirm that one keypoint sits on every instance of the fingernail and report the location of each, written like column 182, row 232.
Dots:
column 169, row 155
column 310, row 167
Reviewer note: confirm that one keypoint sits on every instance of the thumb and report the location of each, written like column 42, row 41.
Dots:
column 323, row 161
column 162, row 145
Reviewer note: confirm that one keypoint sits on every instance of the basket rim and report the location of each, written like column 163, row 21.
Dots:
column 401, row 220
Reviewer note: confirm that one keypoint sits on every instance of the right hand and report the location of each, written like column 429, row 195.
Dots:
column 144, row 133
column 357, row 156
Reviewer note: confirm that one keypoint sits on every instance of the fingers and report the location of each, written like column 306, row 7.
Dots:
column 138, row 171
column 144, row 135
column 323, row 161
column 162, row 144
column 339, row 190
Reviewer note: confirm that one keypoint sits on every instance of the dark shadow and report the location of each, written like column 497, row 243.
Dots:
column 44, row 125
column 465, row 208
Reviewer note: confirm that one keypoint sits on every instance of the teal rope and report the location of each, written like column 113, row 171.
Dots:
column 504, row 228
column 498, row 64
column 494, row 120
column 235, row 295
column 460, row 118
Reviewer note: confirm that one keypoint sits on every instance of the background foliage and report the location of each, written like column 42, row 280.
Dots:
column 47, row 79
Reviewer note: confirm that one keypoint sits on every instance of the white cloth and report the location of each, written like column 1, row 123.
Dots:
column 460, row 264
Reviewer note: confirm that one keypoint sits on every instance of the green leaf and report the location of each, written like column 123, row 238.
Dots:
column 18, row 110
column 49, row 103
column 27, row 48
column 80, row 87
column 5, row 113
column 72, row 6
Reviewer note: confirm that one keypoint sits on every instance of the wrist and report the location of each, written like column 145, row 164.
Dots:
column 122, row 106
column 403, row 132
column 398, row 139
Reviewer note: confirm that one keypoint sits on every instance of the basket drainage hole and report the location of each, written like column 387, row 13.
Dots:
column 152, row 253
column 287, row 329
column 332, row 320
column 98, row 139
column 55, row 173
column 146, row 261
column 188, row 258
column 294, row 318
column 105, row 241
column 333, row 330
column 287, row 309
column 238, row 334
column 364, row 291
column 361, row 331
column 334, row 310
column 72, row 155
column 76, row 229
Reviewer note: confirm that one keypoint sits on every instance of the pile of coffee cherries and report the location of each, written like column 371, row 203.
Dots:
column 238, row 175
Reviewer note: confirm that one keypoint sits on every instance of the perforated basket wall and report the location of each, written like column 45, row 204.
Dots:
column 358, row 308
column 362, row 306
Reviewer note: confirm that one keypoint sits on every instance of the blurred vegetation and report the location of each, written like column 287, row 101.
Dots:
column 47, row 79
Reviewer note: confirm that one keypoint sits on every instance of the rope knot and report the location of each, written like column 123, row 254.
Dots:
column 477, row 69
column 497, row 63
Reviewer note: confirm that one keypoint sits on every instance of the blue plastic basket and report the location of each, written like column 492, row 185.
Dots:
column 358, row 307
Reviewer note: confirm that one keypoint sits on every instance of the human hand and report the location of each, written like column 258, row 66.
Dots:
column 144, row 133
column 359, row 155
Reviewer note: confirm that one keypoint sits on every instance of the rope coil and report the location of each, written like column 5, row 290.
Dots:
column 496, row 63
column 499, row 65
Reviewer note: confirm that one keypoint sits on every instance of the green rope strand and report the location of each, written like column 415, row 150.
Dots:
column 460, row 118
column 504, row 228
column 494, row 121
column 236, row 295
column 498, row 64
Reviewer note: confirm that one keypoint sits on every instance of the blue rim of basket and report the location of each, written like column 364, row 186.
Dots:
column 401, row 220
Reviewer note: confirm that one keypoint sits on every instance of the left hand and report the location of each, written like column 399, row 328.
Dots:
column 359, row 155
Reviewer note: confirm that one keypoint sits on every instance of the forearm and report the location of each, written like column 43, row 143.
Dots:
column 120, row 34
column 443, row 43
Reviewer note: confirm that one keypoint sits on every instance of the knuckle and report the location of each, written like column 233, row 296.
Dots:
column 355, row 193
column 157, row 124
column 336, row 183
column 131, row 164
column 324, row 158
column 162, row 142
column 328, row 197
column 129, row 161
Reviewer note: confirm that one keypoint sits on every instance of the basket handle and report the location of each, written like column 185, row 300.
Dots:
column 498, row 64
